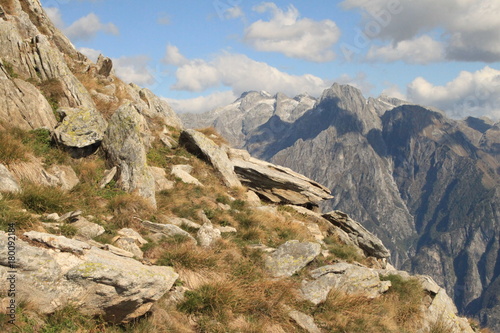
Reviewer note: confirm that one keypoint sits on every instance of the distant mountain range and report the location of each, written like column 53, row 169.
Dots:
column 426, row 184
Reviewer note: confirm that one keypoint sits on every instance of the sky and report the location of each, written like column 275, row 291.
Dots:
column 202, row 54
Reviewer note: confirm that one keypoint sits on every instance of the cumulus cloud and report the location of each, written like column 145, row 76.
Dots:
column 471, row 29
column 202, row 103
column 243, row 74
column 173, row 56
column 296, row 37
column 55, row 16
column 421, row 50
column 88, row 26
column 134, row 69
column 470, row 93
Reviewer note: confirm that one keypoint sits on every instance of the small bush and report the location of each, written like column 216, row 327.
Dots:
column 9, row 213
column 186, row 256
column 45, row 199
column 408, row 293
column 10, row 69
column 345, row 252
column 12, row 149
column 126, row 208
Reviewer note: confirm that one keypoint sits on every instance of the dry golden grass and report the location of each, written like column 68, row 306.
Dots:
column 213, row 135
column 127, row 209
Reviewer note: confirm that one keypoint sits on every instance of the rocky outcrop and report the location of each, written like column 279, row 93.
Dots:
column 291, row 257
column 279, row 184
column 198, row 144
column 368, row 242
column 351, row 279
column 96, row 281
column 7, row 182
column 125, row 145
column 80, row 127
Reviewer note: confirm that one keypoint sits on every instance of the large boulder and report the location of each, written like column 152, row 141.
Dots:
column 80, row 127
column 198, row 144
column 125, row 145
column 368, row 242
column 96, row 281
column 351, row 279
column 291, row 257
column 279, row 184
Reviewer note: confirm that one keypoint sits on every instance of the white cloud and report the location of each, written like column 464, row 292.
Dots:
column 295, row 37
column 233, row 13
column 471, row 28
column 134, row 69
column 202, row 103
column 173, row 56
column 90, row 53
column 421, row 50
column 243, row 74
column 470, row 93
column 55, row 16
column 88, row 26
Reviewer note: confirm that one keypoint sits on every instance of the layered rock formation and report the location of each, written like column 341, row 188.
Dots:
column 427, row 185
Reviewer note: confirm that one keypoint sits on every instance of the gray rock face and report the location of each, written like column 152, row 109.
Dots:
column 207, row 235
column 364, row 239
column 7, row 181
column 80, row 127
column 198, row 144
column 96, row 281
column 291, row 257
column 348, row 278
column 124, row 143
column 279, row 184
column 304, row 321
column 167, row 229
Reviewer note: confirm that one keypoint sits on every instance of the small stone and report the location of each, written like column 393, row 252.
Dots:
column 208, row 235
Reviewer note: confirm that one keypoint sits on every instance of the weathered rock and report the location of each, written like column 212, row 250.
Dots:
column 80, row 127
column 108, row 177
column 152, row 106
column 22, row 105
column 104, row 66
column 253, row 199
column 61, row 175
column 131, row 233
column 125, row 147
column 207, row 235
column 279, row 184
column 118, row 251
column 198, row 144
column 161, row 181
column 367, row 241
column 70, row 216
column 97, row 282
column 183, row 171
column 167, row 229
column 7, row 181
column 351, row 279
column 291, row 257
column 130, row 245
column 179, row 221
column 87, row 229
column 304, row 321
column 58, row 242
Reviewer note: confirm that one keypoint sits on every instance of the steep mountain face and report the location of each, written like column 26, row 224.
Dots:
column 427, row 185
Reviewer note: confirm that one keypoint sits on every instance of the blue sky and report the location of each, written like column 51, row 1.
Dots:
column 203, row 54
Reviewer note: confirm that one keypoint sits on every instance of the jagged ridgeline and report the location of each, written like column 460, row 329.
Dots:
column 115, row 218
